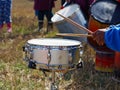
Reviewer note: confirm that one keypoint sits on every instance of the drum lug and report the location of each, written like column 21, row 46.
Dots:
column 28, row 57
column 25, row 48
column 70, row 57
column 31, row 55
column 49, row 57
column 26, row 54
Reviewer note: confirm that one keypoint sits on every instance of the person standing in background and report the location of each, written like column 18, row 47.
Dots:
column 44, row 8
column 5, row 14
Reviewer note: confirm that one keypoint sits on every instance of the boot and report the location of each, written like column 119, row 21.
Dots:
column 9, row 26
column 49, row 27
column 40, row 25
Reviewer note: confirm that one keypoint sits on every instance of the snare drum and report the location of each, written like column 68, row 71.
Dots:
column 74, row 13
column 57, row 54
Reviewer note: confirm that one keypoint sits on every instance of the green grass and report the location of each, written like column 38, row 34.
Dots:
column 14, row 73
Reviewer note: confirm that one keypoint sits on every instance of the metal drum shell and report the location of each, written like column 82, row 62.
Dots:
column 104, row 61
column 65, row 27
column 62, row 57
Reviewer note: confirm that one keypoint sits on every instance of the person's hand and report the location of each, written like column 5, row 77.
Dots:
column 98, row 36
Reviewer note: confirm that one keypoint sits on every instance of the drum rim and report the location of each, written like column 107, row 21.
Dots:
column 72, row 15
column 78, row 43
column 62, row 20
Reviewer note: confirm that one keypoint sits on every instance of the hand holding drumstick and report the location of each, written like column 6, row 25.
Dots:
column 98, row 36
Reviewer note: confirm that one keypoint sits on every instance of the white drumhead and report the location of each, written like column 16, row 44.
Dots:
column 66, row 12
column 53, row 42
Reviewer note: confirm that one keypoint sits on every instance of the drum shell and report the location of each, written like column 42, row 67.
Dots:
column 93, row 26
column 117, row 60
column 104, row 61
column 58, row 56
column 53, row 57
column 66, row 27
column 103, row 14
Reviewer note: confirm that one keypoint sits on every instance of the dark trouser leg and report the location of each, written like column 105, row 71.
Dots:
column 49, row 15
column 40, row 20
column 40, row 25
column 2, row 15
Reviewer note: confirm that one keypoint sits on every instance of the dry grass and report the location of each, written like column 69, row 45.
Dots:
column 14, row 73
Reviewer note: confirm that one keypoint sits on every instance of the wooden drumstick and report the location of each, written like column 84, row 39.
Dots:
column 75, row 24
column 74, row 35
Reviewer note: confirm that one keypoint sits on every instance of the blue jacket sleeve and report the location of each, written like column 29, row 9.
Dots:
column 112, row 37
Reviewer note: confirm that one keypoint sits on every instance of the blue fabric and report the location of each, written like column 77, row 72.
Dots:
column 5, row 11
column 112, row 37
column 36, row 12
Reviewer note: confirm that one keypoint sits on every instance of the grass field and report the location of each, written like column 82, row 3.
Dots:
column 14, row 73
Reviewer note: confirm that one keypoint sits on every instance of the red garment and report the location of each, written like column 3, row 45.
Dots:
column 43, row 4
column 118, row 0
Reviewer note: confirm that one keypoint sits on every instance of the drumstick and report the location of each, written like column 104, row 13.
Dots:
column 75, row 35
column 75, row 24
